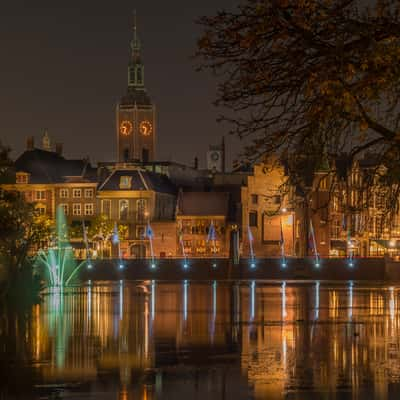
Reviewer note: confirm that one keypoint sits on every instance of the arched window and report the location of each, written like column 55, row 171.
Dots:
column 123, row 210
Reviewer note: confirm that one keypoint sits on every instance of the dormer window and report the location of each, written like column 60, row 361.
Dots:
column 125, row 182
column 22, row 177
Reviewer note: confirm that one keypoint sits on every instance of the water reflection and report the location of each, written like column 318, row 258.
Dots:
column 154, row 340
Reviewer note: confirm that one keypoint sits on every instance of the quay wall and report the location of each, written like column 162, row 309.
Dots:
column 363, row 269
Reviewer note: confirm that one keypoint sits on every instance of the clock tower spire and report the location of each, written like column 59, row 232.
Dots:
column 135, row 67
column 135, row 114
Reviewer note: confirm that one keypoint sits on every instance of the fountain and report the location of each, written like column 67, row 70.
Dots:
column 182, row 244
column 85, row 240
column 314, row 244
column 115, row 241
column 349, row 250
column 150, row 236
column 282, row 243
column 211, row 238
column 251, row 239
column 59, row 260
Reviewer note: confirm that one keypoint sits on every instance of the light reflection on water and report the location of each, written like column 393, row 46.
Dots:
column 155, row 340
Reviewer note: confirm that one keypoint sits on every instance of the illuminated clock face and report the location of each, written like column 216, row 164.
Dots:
column 145, row 128
column 215, row 156
column 126, row 128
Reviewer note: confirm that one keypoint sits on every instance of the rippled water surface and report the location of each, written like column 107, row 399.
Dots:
column 216, row 340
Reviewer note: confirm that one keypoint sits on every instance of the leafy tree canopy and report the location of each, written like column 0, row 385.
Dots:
column 312, row 71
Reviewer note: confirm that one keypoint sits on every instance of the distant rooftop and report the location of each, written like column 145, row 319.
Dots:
column 50, row 167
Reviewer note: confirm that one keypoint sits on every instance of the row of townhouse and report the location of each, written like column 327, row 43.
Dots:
column 192, row 212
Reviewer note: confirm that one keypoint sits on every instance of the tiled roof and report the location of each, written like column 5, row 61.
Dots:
column 50, row 167
column 140, row 180
column 203, row 203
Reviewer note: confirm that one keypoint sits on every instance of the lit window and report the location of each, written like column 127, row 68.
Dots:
column 140, row 232
column 41, row 209
column 64, row 207
column 64, row 193
column 40, row 195
column 125, row 182
column 106, row 207
column 88, row 193
column 123, row 210
column 21, row 177
column 89, row 209
column 253, row 218
column 323, row 184
column 254, row 199
column 76, row 209
column 141, row 209
column 76, row 193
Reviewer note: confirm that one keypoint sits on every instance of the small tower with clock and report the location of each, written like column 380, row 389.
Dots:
column 216, row 157
column 135, row 113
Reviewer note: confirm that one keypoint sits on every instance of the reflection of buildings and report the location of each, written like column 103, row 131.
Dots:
column 335, row 340
column 277, row 339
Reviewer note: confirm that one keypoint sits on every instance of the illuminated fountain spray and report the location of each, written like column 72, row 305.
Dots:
column 59, row 261
column 314, row 244
column 282, row 243
column 85, row 241
column 251, row 240
column 349, row 249
column 182, row 244
column 211, row 238
column 150, row 236
column 116, row 242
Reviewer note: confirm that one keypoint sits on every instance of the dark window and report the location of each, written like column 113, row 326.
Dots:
column 139, row 77
column 132, row 75
column 126, row 155
column 145, row 155
column 253, row 218
column 254, row 199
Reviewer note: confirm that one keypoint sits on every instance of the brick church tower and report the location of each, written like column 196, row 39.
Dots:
column 135, row 113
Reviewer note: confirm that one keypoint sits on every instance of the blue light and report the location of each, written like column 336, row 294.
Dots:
column 253, row 265
column 185, row 265
column 252, row 300
column 121, row 266
column 351, row 265
column 153, row 265
column 317, row 264
column 90, row 266
column 153, row 299
column 283, row 265
column 185, row 299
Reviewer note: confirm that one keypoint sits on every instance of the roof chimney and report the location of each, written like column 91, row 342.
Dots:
column 59, row 148
column 30, row 143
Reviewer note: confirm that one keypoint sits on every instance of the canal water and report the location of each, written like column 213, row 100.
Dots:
column 214, row 340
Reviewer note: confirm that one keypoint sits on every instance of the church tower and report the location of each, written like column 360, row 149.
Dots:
column 135, row 114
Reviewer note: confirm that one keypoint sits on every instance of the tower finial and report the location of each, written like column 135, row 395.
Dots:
column 134, row 24
column 135, row 45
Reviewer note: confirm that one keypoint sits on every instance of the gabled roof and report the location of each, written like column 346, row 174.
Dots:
column 50, row 167
column 140, row 180
column 203, row 203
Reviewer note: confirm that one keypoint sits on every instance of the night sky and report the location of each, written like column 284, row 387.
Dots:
column 64, row 67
